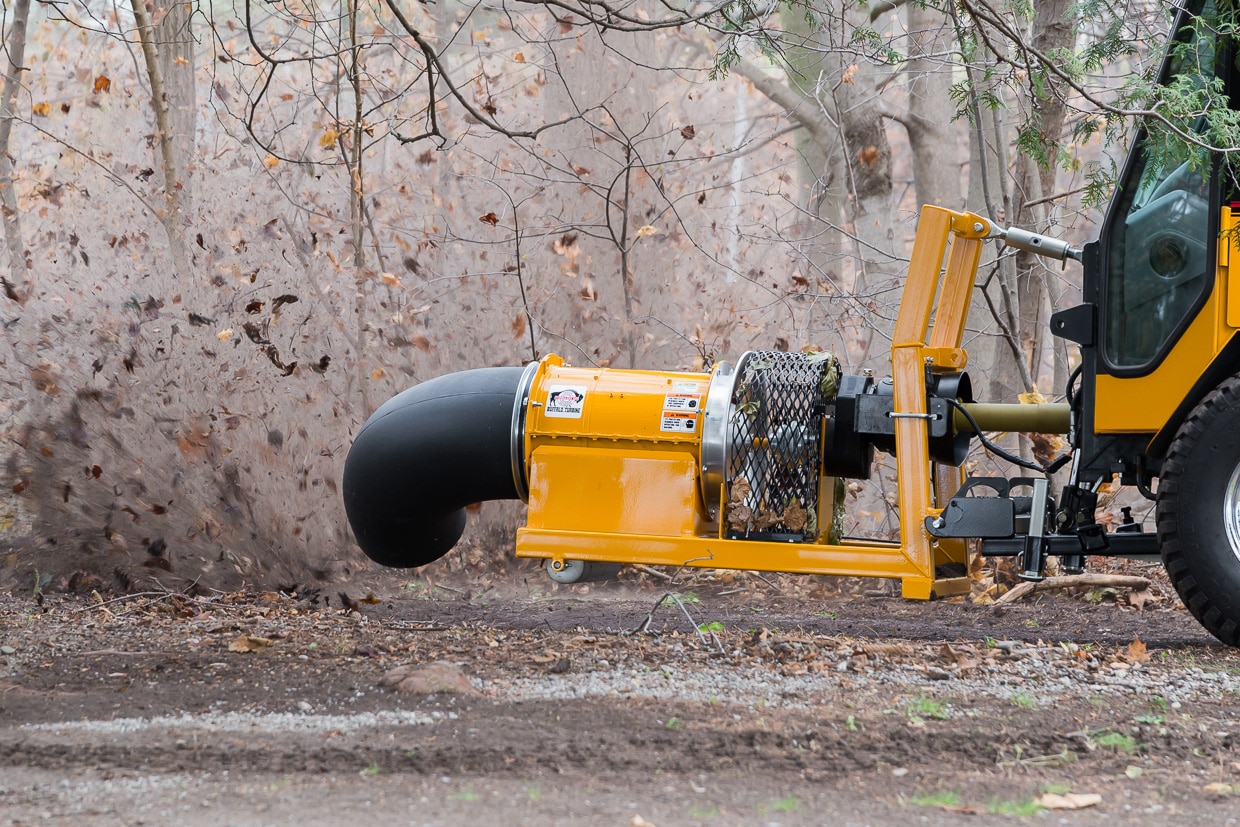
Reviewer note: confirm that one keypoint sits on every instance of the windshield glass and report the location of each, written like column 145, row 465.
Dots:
column 1157, row 258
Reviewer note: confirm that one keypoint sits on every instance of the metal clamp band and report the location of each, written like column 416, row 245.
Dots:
column 520, row 405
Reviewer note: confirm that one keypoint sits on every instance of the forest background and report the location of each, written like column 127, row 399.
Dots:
column 232, row 230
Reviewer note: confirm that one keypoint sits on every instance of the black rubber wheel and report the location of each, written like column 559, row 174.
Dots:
column 1198, row 512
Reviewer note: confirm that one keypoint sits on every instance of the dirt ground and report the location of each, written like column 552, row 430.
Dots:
column 741, row 702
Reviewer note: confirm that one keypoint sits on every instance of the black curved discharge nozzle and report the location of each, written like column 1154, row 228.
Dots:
column 422, row 457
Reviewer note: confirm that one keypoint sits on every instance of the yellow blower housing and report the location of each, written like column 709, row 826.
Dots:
column 612, row 451
column 619, row 461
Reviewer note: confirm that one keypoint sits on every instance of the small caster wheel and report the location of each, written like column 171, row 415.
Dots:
column 581, row 571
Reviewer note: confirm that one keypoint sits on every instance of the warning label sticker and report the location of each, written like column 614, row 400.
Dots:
column 679, row 422
column 565, row 402
column 682, row 402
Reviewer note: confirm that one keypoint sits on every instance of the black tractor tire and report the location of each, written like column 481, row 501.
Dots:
column 1198, row 512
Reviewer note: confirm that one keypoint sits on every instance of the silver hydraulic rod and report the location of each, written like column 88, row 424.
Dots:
column 1042, row 245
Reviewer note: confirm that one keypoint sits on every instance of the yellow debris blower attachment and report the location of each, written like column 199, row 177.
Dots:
column 739, row 468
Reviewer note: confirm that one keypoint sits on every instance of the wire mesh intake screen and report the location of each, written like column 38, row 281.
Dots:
column 773, row 445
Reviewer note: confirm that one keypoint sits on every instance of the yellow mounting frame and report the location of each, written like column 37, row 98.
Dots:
column 652, row 511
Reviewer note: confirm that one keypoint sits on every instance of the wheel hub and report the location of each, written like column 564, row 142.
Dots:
column 1231, row 511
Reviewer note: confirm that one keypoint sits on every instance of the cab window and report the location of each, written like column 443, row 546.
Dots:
column 1158, row 263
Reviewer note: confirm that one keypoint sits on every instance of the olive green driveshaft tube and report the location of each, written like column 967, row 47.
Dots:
column 1042, row 418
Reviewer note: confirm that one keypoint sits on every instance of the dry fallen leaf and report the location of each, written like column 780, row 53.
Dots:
column 435, row 678
column 1136, row 651
column 1070, row 801
column 250, row 643
column 795, row 517
column 1138, row 599
column 1045, row 446
column 739, row 515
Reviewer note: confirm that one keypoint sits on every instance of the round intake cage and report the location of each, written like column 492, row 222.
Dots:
column 761, row 443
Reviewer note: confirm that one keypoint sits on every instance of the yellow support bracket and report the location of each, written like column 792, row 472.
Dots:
column 946, row 358
column 969, row 225
column 957, row 238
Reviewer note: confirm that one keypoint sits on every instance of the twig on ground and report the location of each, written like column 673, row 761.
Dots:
column 697, row 627
column 1115, row 580
column 763, row 578
column 654, row 572
column 416, row 625
column 675, row 598
column 125, row 653
column 103, row 603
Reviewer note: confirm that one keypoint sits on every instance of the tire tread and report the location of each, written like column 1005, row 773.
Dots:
column 1224, row 398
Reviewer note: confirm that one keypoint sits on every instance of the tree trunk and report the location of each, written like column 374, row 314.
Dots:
column 174, row 37
column 837, row 101
column 995, row 311
column 1034, row 183
column 931, row 134
column 820, row 176
column 16, row 286
column 357, row 199
column 171, row 213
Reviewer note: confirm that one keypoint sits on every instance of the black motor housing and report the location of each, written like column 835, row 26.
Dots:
column 862, row 422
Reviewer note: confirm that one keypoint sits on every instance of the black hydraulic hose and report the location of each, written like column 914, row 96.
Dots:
column 423, row 456
column 1050, row 468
